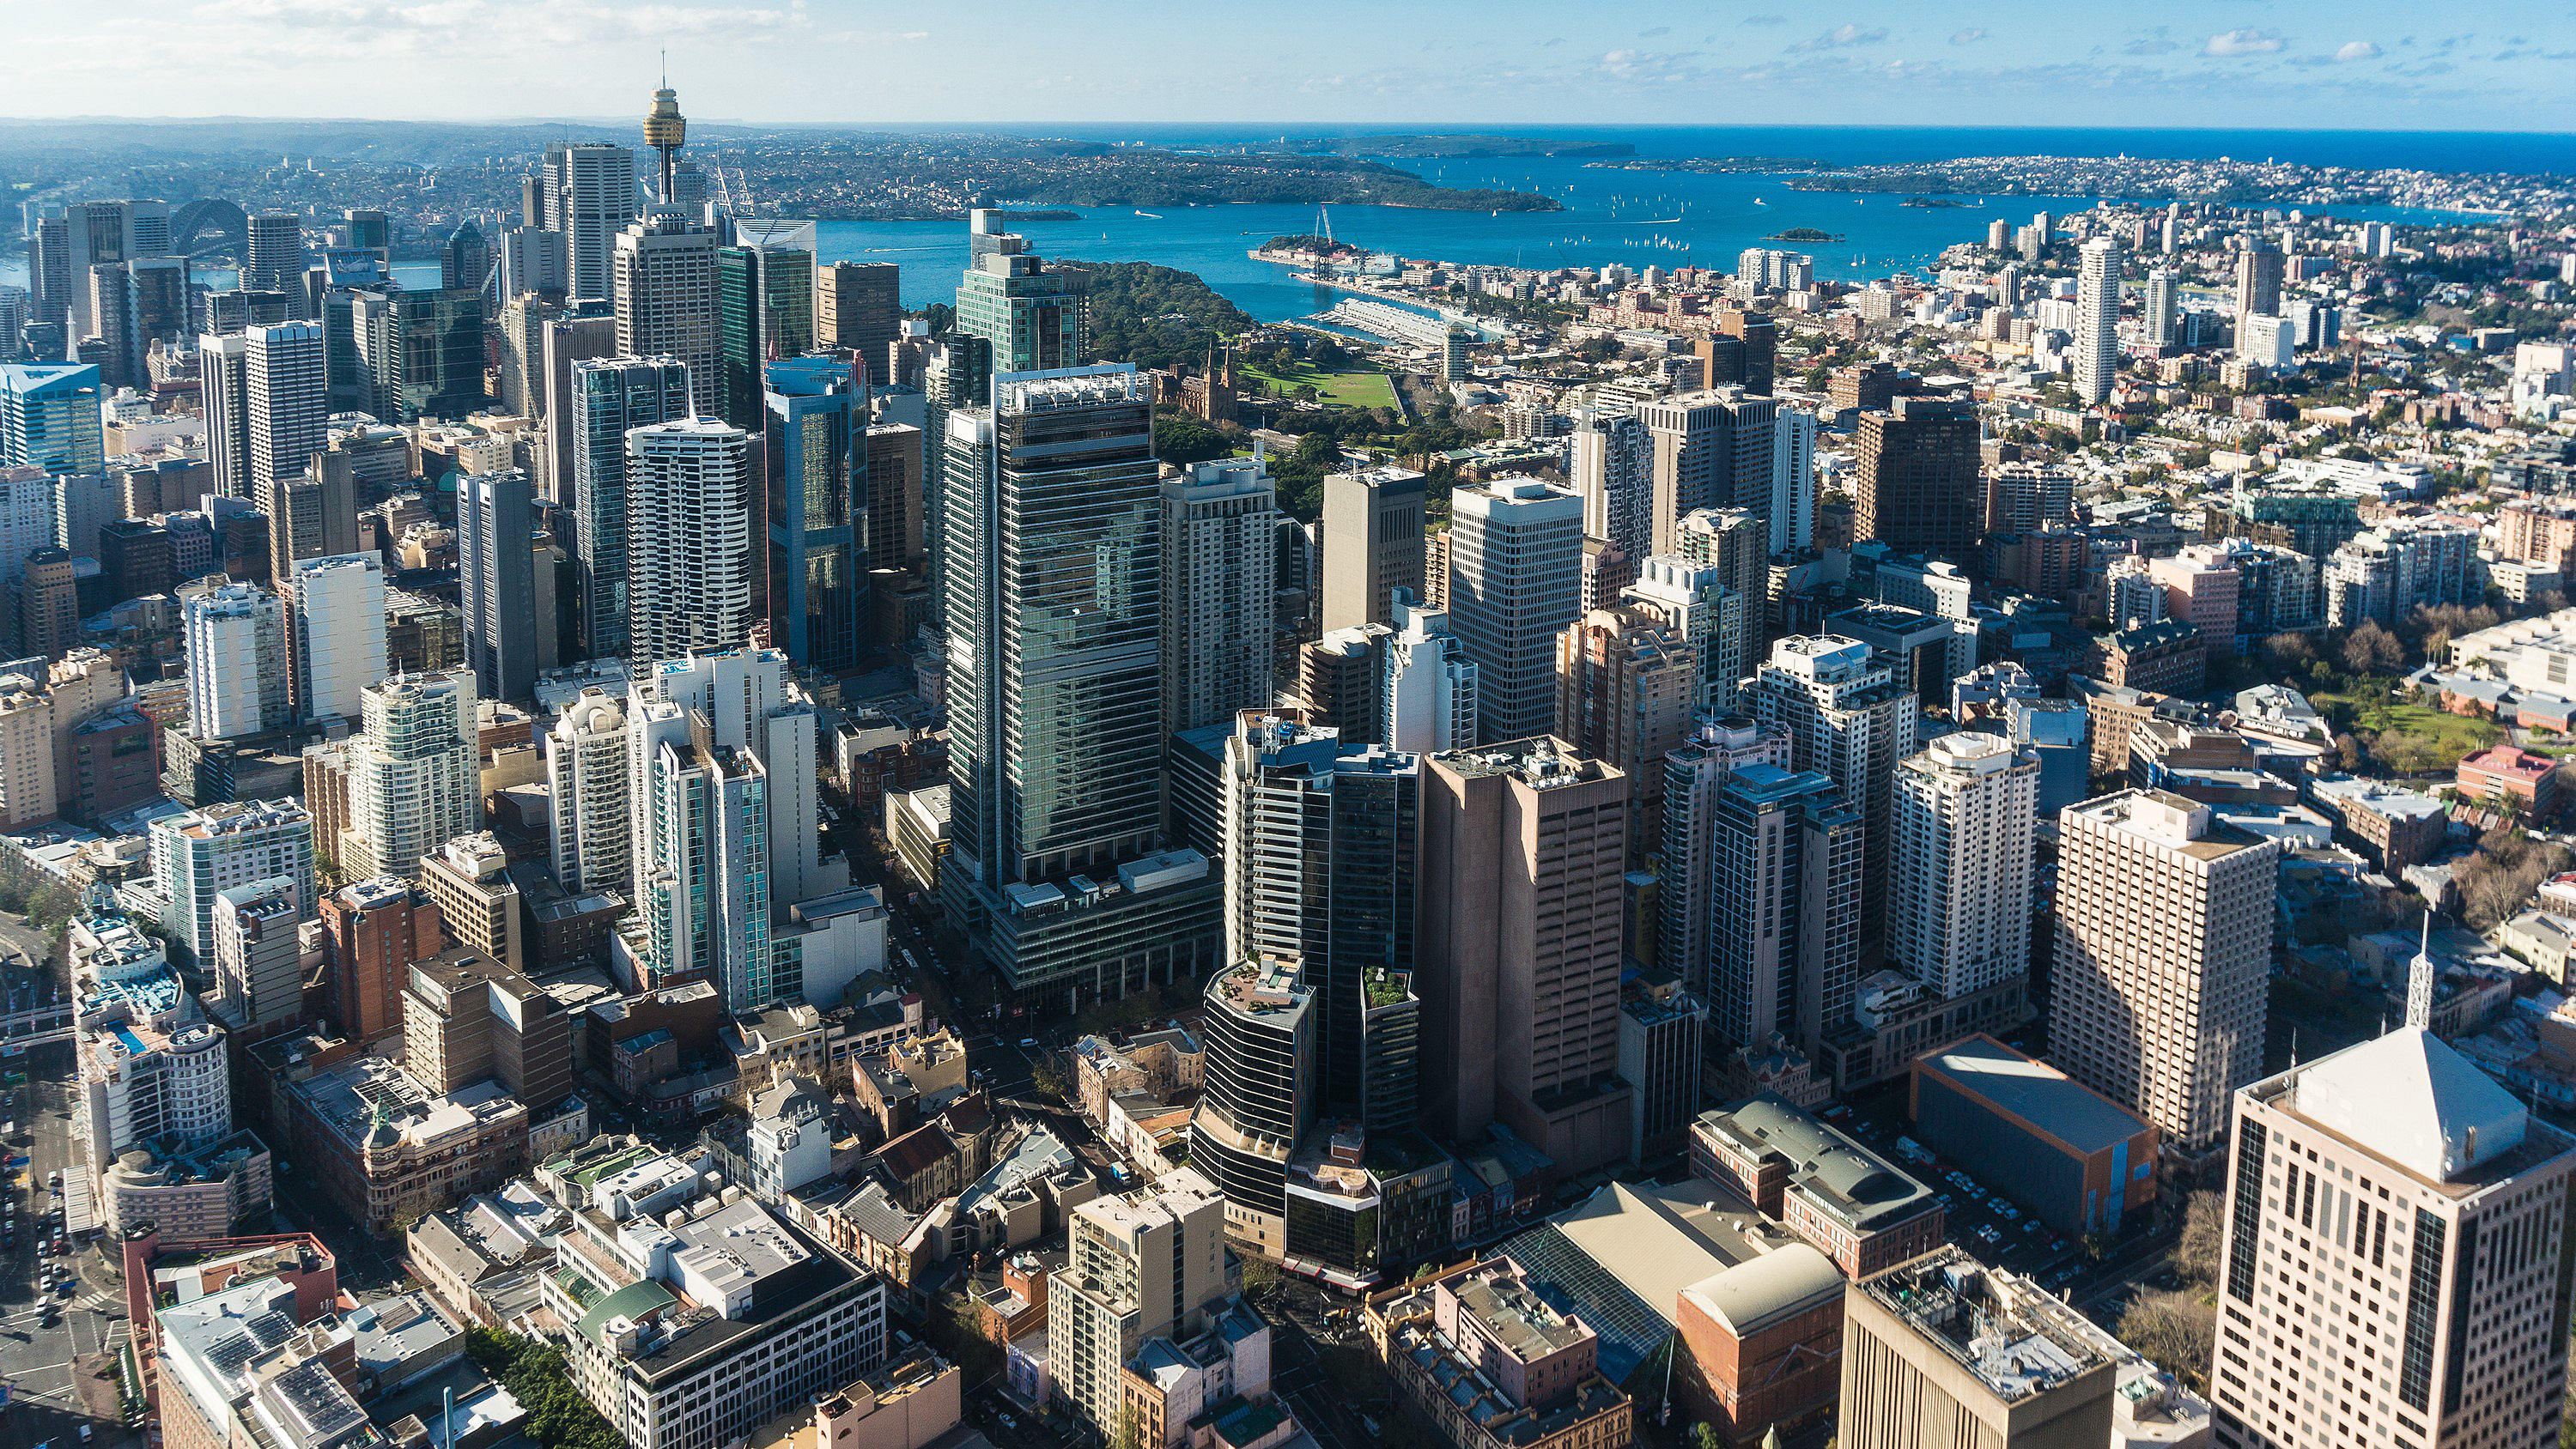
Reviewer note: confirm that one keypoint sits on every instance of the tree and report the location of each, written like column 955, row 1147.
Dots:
column 1261, row 1277
column 2176, row 1330
column 2196, row 1254
column 1704, row 1436
column 2283, row 651
column 2372, row 649
column 1180, row 438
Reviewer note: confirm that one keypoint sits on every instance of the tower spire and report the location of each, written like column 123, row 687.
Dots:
column 2419, row 981
column 665, row 129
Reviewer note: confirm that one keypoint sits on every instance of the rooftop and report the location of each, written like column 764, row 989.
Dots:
column 2035, row 1092
column 2413, row 1101
column 1951, row 1301
column 1838, row 1175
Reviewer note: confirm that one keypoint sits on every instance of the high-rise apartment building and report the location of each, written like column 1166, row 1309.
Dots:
column 815, row 450
column 2097, row 318
column 2163, row 308
column 336, row 606
column 2158, row 986
column 1966, row 829
column 1515, row 582
column 1322, row 842
column 1372, row 531
column 1524, row 860
column 666, row 300
column 1787, row 853
column 287, row 407
column 2396, row 1256
column 588, row 780
column 239, row 674
column 1614, row 470
column 259, row 977
column 1627, row 689
column 49, row 417
column 477, row 902
column 413, row 783
column 1694, row 606
column 2027, row 497
column 1219, row 520
column 496, row 579
column 1427, row 684
column 611, row 397
column 2258, row 282
column 1687, row 893
column 198, row 855
column 1792, row 515
column 1918, row 489
column 223, row 390
column 689, row 564
column 1847, row 719
column 1712, row 449
column 1151, row 1265
column 589, row 196
column 858, row 308
column 49, row 623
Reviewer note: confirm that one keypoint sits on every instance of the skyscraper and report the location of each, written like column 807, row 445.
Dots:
column 1693, row 604
column 465, row 262
column 223, row 389
column 588, row 779
column 49, row 417
column 337, row 603
column 1524, row 859
column 1627, row 686
column 816, row 455
column 1427, row 689
column 1218, row 522
column 583, row 333
column 1372, row 532
column 2392, row 1204
column 1964, row 824
column 609, row 398
column 111, row 306
column 589, row 196
column 1614, row 464
column 665, row 268
column 765, row 307
column 238, row 668
column 285, row 403
column 1712, row 449
column 202, row 853
column 1686, row 896
column 858, row 307
column 1793, row 479
column 1846, row 719
column 422, row 351
column 1789, row 862
column 2258, row 282
column 276, row 260
column 1515, row 581
column 2157, row 990
column 1263, row 1033
column 2097, row 319
column 1052, row 609
column 1918, row 489
column 1033, row 314
column 495, row 574
column 689, row 563
column 2162, row 311
column 1322, row 842
column 412, row 778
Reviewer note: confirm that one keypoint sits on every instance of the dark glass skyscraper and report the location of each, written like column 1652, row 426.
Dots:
column 610, row 396
column 816, row 424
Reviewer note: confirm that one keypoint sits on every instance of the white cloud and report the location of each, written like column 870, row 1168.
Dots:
column 2357, row 50
column 2244, row 41
column 1969, row 36
column 1842, row 35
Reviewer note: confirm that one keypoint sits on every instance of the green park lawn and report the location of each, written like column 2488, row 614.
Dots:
column 1358, row 388
column 2413, row 739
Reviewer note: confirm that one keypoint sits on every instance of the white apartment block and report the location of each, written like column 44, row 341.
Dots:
column 339, row 606
column 588, row 781
column 2396, row 1234
column 689, row 505
column 199, row 855
column 414, row 784
column 1966, row 828
column 237, row 666
column 2159, row 987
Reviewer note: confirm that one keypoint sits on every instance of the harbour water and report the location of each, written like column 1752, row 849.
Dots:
column 1635, row 218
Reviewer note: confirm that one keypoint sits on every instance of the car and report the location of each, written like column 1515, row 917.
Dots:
column 1027, row 1042
column 1006, row 1420
column 2031, row 1228
column 67, row 1287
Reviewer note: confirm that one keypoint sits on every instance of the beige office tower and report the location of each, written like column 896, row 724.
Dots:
column 2164, row 946
column 2397, row 1245
column 1945, row 1353
column 1138, row 1267
column 1523, row 873
column 1372, row 544
column 1626, row 690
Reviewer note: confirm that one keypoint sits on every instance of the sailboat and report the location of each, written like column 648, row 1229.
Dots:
column 1149, row 216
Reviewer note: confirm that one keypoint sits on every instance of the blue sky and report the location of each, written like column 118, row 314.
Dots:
column 2229, row 63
